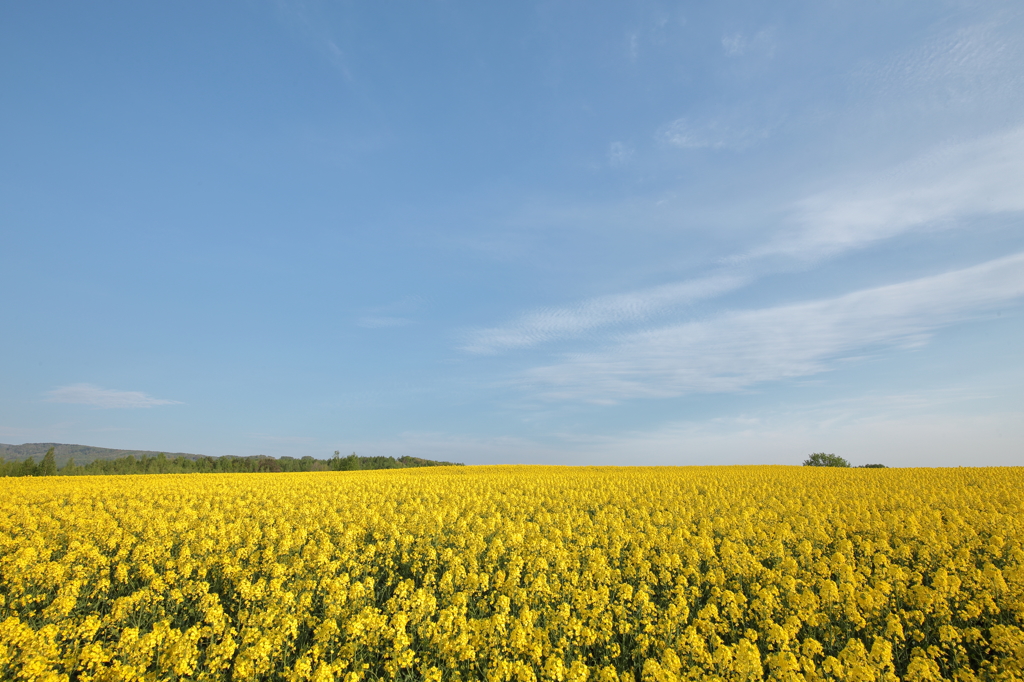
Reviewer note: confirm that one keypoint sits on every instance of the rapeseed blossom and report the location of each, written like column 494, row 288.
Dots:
column 516, row 573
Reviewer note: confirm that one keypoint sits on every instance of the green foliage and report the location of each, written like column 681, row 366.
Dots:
column 821, row 459
column 161, row 464
column 350, row 463
column 872, row 466
column 28, row 468
column 48, row 467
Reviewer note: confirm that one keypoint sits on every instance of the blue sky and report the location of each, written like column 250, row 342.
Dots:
column 574, row 233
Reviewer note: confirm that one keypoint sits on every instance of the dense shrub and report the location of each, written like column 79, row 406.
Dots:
column 821, row 459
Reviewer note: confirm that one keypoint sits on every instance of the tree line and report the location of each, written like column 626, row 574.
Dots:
column 161, row 464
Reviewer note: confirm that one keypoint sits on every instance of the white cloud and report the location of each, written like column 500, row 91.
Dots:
column 633, row 45
column 971, row 65
column 982, row 176
column 712, row 134
column 619, row 153
column 550, row 324
column 734, row 45
column 88, row 394
column 936, row 190
column 738, row 349
column 738, row 44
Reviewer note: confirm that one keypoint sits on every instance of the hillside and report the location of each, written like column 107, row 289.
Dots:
column 25, row 460
column 82, row 454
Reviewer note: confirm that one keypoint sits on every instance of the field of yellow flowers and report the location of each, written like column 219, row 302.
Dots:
column 516, row 573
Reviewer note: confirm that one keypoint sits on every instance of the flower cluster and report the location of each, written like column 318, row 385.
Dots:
column 516, row 573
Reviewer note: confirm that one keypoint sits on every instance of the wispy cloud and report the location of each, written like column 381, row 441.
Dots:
column 968, row 65
column 934, row 191
column 738, row 44
column 88, row 394
column 982, row 176
column 685, row 133
column 632, row 45
column 382, row 322
column 551, row 324
column 738, row 349
column 316, row 30
column 619, row 153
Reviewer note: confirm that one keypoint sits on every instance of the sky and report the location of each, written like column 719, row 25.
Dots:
column 626, row 233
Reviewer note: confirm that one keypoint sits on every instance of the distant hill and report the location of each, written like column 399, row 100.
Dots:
column 92, row 460
column 82, row 454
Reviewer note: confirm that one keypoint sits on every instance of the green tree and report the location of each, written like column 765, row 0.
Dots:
column 350, row 463
column 48, row 467
column 821, row 459
column 28, row 468
column 267, row 464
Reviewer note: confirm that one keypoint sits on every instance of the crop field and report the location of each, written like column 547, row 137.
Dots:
column 516, row 573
